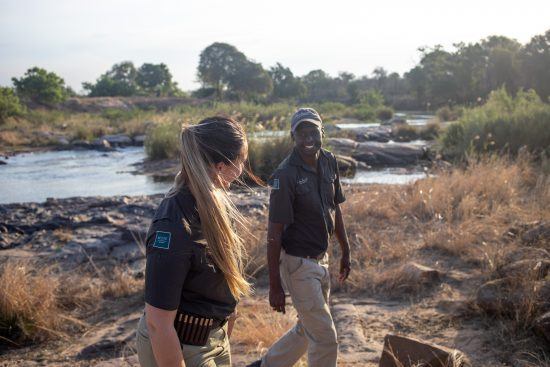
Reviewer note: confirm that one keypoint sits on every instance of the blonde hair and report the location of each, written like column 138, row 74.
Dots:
column 213, row 140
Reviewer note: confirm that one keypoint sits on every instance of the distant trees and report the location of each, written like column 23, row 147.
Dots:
column 41, row 87
column 285, row 84
column 9, row 104
column 123, row 79
column 226, row 69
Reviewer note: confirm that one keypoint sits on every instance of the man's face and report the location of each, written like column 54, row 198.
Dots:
column 307, row 138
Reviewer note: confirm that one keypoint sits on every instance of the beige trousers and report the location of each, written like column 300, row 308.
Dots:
column 308, row 282
column 216, row 352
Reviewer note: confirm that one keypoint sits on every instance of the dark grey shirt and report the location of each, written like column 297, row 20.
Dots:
column 179, row 272
column 305, row 201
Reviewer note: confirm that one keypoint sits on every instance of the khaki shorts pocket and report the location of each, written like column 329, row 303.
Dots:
column 306, row 294
column 292, row 263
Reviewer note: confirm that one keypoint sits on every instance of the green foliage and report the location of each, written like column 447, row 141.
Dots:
column 265, row 155
column 124, row 80
column 405, row 132
column 430, row 132
column 447, row 113
column 384, row 113
column 156, row 79
column 40, row 86
column 504, row 124
column 285, row 84
column 119, row 81
column 163, row 141
column 9, row 104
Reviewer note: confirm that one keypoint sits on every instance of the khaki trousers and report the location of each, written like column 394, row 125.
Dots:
column 216, row 352
column 308, row 283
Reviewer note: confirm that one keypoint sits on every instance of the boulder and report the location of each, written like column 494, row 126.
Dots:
column 102, row 145
column 508, row 295
column 381, row 136
column 347, row 166
column 420, row 274
column 534, row 268
column 395, row 154
column 539, row 233
column 2, row 162
column 118, row 140
column 139, row 140
column 542, row 326
column 342, row 146
column 400, row 351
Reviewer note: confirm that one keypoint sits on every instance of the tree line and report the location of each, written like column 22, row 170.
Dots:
column 464, row 76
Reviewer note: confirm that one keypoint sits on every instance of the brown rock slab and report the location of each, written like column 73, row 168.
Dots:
column 542, row 326
column 400, row 351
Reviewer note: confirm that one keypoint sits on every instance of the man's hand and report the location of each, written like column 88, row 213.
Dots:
column 277, row 298
column 345, row 268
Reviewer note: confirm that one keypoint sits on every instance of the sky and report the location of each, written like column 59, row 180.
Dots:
column 79, row 40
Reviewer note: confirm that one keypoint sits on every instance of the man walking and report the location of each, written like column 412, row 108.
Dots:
column 304, row 212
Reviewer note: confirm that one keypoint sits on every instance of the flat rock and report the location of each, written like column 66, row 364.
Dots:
column 118, row 139
column 400, row 351
column 542, row 326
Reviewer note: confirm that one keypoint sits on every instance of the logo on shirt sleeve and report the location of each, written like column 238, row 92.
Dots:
column 275, row 185
column 162, row 240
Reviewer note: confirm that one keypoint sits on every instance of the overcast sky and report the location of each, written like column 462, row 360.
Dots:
column 79, row 40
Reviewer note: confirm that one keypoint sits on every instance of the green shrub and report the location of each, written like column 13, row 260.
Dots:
column 447, row 113
column 430, row 131
column 162, row 141
column 384, row 113
column 503, row 124
column 404, row 132
column 265, row 155
column 9, row 104
column 40, row 86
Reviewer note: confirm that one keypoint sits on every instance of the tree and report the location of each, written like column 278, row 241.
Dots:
column 218, row 63
column 40, row 86
column 9, row 104
column 155, row 79
column 535, row 58
column 119, row 81
column 249, row 79
column 285, row 84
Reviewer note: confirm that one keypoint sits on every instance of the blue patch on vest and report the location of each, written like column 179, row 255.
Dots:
column 162, row 240
column 275, row 185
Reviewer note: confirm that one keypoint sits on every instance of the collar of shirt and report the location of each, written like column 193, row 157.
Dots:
column 296, row 159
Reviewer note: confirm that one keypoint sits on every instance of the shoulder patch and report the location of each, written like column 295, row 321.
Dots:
column 276, row 184
column 162, row 240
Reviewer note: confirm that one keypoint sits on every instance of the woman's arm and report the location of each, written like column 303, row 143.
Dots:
column 164, row 340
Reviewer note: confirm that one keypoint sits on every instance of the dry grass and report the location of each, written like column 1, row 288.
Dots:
column 29, row 307
column 39, row 302
column 258, row 327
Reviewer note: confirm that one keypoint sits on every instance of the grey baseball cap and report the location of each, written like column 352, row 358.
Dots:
column 305, row 114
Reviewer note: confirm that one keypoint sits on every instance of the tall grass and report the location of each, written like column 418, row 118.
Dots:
column 504, row 124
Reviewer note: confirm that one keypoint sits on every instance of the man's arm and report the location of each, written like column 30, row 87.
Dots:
column 276, row 292
column 341, row 235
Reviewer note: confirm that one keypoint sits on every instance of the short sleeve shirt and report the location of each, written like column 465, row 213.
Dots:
column 179, row 272
column 305, row 201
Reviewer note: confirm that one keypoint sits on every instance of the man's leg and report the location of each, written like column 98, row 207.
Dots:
column 290, row 347
column 308, row 285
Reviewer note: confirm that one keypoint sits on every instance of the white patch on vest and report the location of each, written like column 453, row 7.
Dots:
column 302, row 181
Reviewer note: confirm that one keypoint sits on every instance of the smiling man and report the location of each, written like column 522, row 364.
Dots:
column 304, row 212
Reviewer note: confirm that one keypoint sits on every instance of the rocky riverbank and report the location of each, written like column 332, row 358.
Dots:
column 420, row 276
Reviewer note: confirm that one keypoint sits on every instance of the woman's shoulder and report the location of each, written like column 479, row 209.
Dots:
column 176, row 206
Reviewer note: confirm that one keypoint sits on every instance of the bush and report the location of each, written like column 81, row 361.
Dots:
column 430, row 131
column 40, row 86
column 163, row 141
column 503, row 124
column 9, row 104
column 265, row 155
column 447, row 113
column 384, row 113
column 404, row 132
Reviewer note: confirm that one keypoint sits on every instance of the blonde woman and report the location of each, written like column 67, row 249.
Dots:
column 194, row 273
